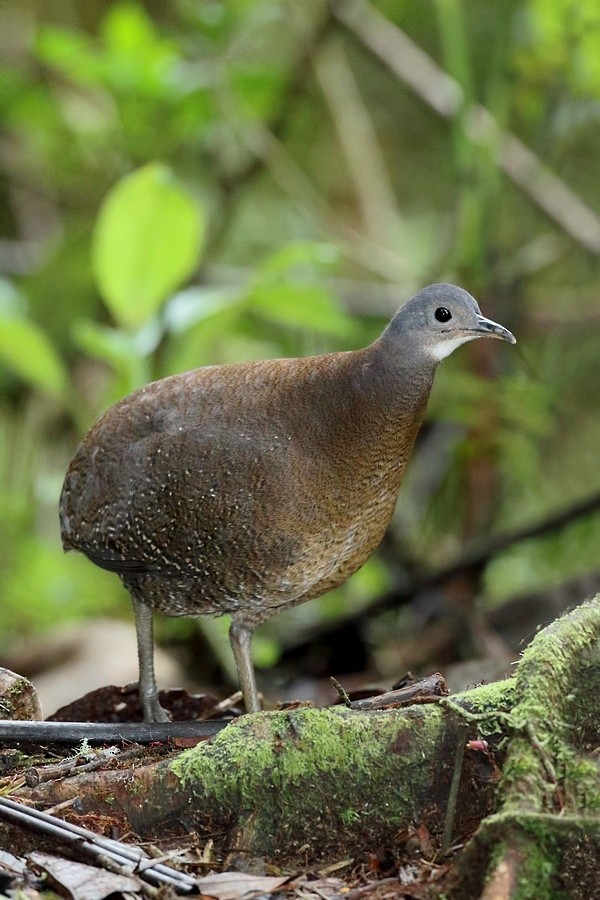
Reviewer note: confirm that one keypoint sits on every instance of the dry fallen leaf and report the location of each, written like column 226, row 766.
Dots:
column 233, row 885
column 84, row 882
column 11, row 866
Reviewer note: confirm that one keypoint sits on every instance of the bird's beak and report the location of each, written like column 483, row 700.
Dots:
column 487, row 328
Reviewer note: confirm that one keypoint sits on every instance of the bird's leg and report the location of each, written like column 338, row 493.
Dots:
column 153, row 711
column 240, row 637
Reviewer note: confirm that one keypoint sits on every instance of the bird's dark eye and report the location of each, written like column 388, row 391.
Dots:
column 442, row 314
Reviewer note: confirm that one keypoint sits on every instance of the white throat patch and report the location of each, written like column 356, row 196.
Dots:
column 444, row 348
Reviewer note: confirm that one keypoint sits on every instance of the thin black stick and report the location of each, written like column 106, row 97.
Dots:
column 130, row 859
column 104, row 732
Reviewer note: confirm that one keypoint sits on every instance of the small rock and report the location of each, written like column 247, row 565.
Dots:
column 18, row 697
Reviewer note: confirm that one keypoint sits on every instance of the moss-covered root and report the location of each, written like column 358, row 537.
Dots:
column 548, row 823
column 308, row 784
column 555, row 717
column 309, row 778
column 311, row 783
column 531, row 857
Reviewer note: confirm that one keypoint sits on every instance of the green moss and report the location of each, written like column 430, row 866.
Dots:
column 290, row 774
column 521, row 765
column 582, row 781
column 536, row 877
column 490, row 698
column 547, row 699
column 296, row 781
column 545, row 673
column 485, row 707
column 555, row 857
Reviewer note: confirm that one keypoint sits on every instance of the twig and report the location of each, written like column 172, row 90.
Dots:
column 484, row 720
column 358, row 140
column 231, row 184
column 341, row 691
column 35, row 775
column 228, row 702
column 546, row 762
column 428, row 690
column 290, row 177
column 476, row 558
column 454, row 786
column 129, row 860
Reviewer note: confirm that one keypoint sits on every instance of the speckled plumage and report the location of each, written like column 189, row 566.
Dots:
column 246, row 488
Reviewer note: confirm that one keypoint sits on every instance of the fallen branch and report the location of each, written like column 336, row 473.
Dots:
column 299, row 786
column 104, row 732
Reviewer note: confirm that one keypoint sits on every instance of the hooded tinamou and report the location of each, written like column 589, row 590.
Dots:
column 248, row 488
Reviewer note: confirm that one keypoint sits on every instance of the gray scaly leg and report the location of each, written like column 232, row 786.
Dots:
column 240, row 637
column 153, row 711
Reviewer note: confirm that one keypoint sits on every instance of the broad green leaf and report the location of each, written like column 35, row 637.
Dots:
column 147, row 241
column 26, row 350
column 72, row 53
column 307, row 306
column 301, row 255
column 126, row 353
column 136, row 54
column 195, row 304
column 108, row 344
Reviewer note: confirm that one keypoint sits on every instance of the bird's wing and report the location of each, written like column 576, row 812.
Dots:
column 104, row 559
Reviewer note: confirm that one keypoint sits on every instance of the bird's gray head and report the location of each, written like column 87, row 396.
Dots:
column 440, row 318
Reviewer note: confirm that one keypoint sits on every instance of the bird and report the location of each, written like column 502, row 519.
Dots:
column 247, row 488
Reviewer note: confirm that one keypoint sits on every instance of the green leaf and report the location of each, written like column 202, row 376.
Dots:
column 108, row 344
column 26, row 350
column 306, row 306
column 70, row 52
column 125, row 353
column 301, row 256
column 147, row 241
column 137, row 57
column 128, row 28
column 198, row 303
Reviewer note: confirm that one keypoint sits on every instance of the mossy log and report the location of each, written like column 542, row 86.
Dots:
column 303, row 785
column 306, row 785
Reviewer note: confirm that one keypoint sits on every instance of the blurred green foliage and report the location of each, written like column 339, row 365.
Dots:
column 147, row 240
column 191, row 183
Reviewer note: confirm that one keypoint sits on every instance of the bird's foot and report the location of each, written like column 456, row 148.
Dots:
column 153, row 711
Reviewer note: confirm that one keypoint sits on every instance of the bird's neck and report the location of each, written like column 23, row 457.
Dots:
column 398, row 383
column 378, row 400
